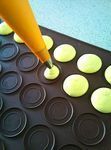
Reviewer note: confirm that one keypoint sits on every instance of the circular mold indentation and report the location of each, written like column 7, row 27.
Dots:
column 40, row 75
column 32, row 95
column 10, row 82
column 27, row 61
column 1, row 103
column 89, row 129
column 70, row 147
column 13, row 122
column 8, row 51
column 58, row 111
column 39, row 137
column 2, row 146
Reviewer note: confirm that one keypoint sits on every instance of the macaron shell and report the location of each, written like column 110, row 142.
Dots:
column 107, row 74
column 64, row 53
column 5, row 29
column 48, row 41
column 75, row 85
column 89, row 63
column 17, row 38
column 52, row 73
column 101, row 100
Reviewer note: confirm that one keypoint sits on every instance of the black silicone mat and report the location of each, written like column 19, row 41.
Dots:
column 36, row 114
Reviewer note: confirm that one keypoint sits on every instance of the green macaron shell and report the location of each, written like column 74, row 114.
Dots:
column 5, row 29
column 17, row 38
column 75, row 85
column 89, row 63
column 52, row 73
column 107, row 74
column 101, row 100
column 48, row 41
column 64, row 53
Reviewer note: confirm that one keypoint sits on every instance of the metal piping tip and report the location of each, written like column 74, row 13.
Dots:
column 49, row 63
column 0, row 42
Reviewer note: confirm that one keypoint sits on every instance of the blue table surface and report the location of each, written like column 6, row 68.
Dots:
column 86, row 20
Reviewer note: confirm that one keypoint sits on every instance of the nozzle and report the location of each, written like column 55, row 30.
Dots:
column 0, row 42
column 49, row 63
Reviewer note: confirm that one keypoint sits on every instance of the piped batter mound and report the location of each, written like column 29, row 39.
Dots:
column 64, row 53
column 5, row 29
column 17, row 38
column 75, row 85
column 89, row 63
column 48, row 41
column 107, row 74
column 52, row 73
column 101, row 100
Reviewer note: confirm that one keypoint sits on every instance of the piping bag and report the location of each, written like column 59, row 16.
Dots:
column 19, row 16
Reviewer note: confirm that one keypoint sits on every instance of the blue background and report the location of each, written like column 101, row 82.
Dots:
column 86, row 20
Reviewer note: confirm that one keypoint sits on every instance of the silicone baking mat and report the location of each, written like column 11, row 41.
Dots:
column 36, row 114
